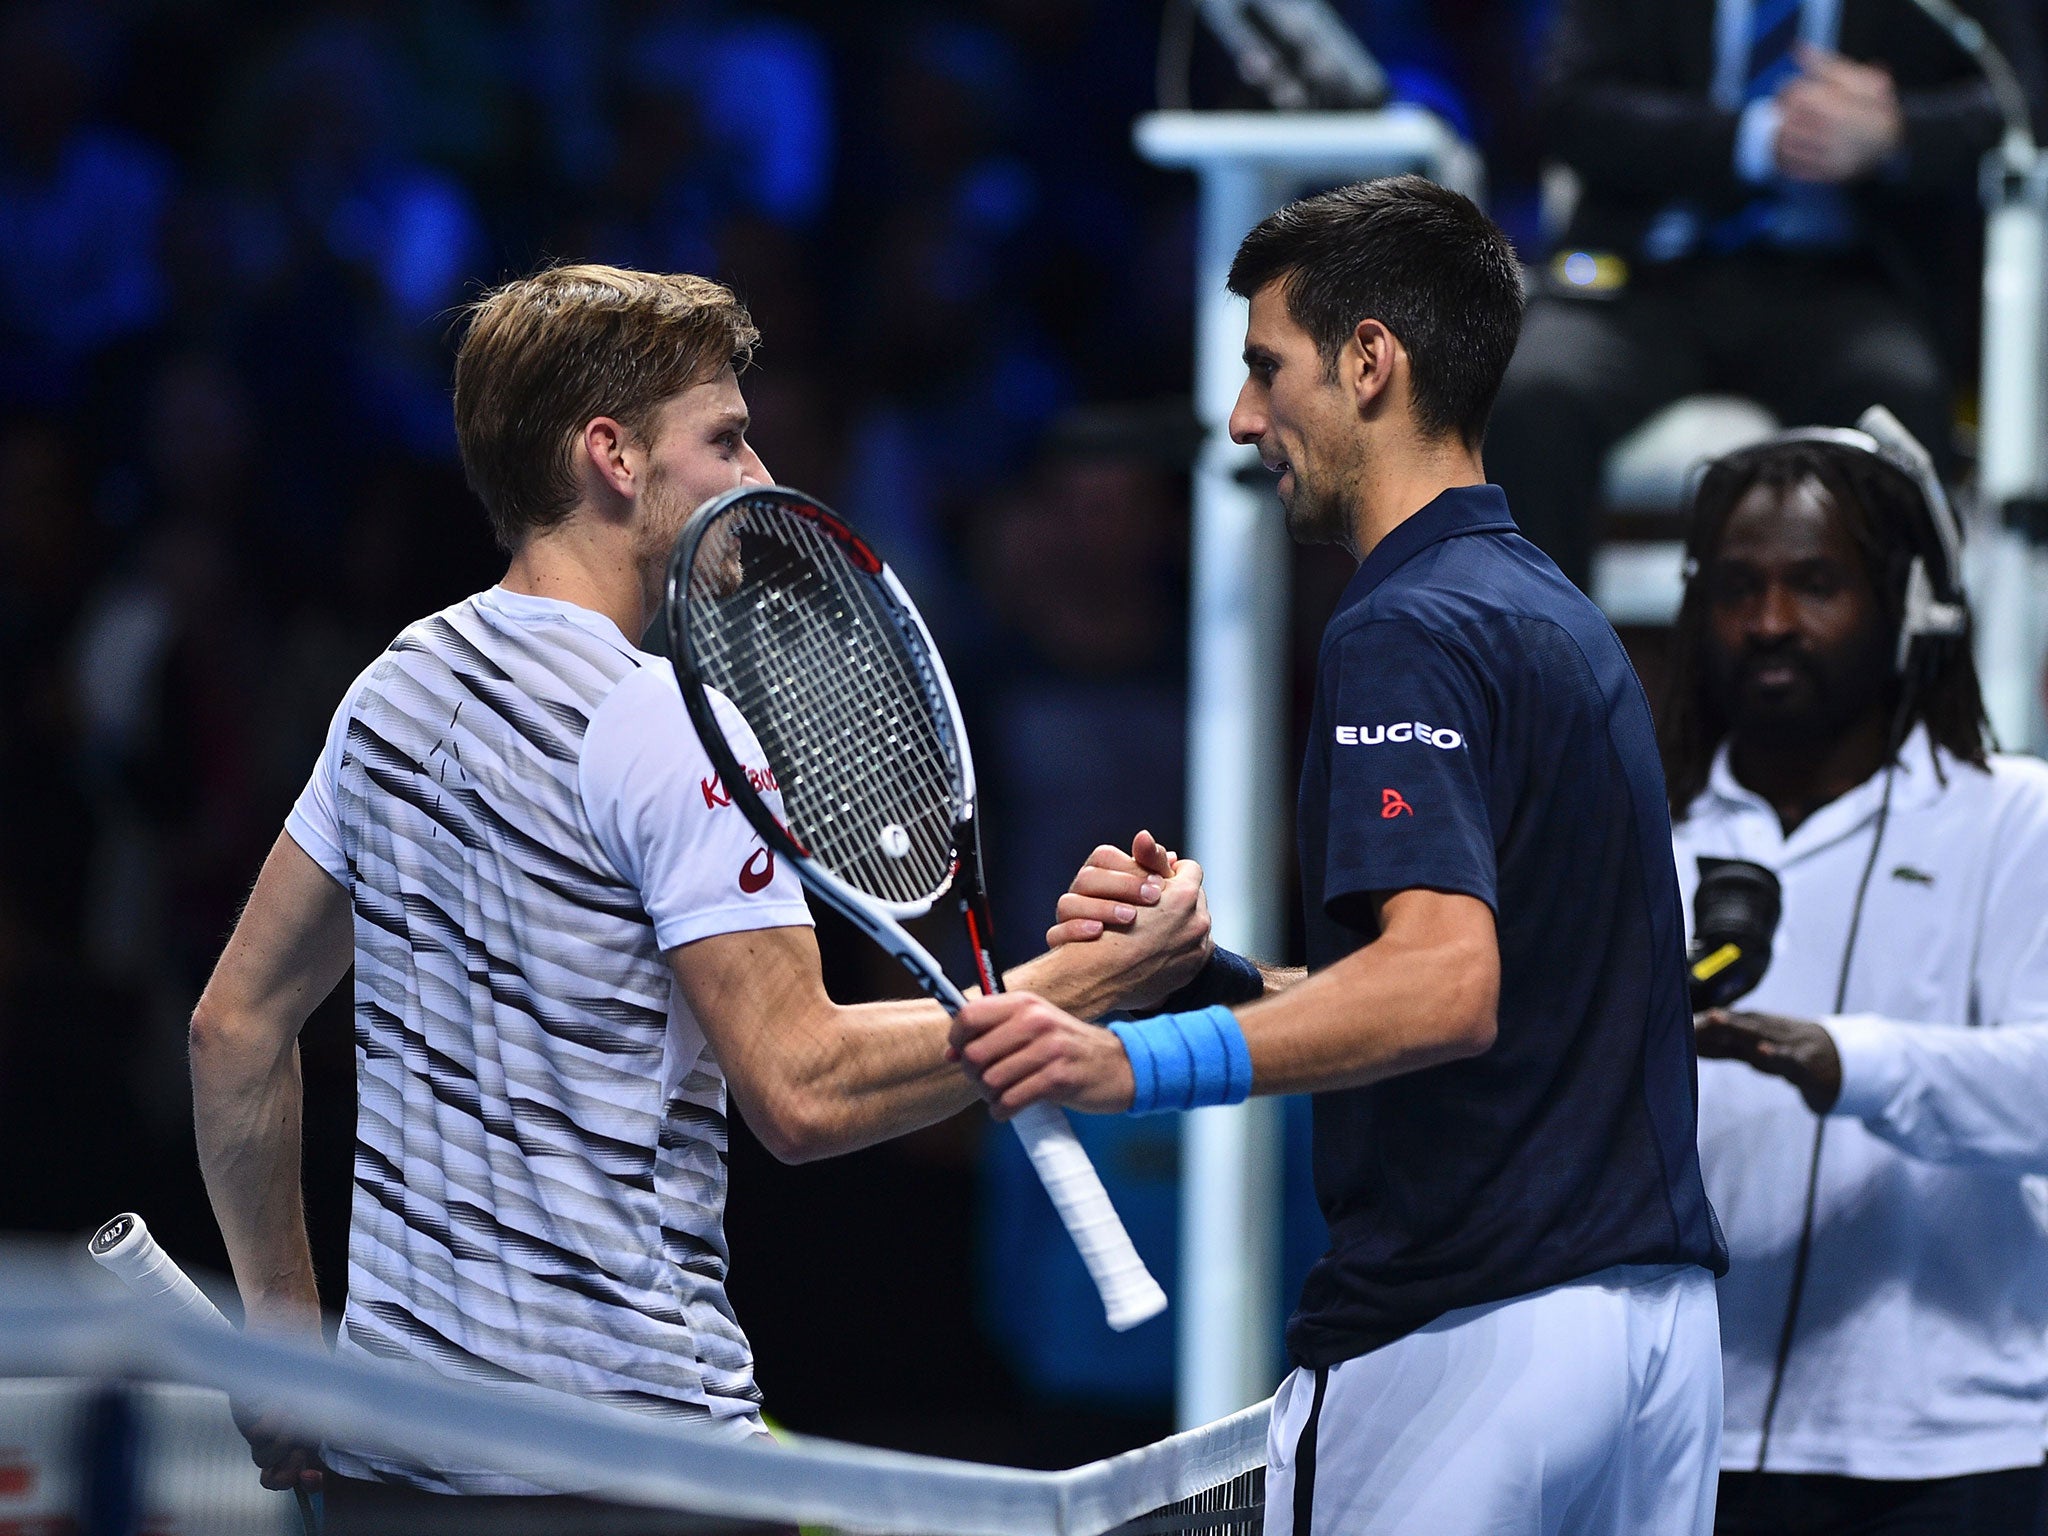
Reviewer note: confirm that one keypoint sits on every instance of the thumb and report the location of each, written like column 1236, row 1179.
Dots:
column 1146, row 850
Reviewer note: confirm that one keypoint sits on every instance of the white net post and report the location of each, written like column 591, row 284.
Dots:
column 1238, row 775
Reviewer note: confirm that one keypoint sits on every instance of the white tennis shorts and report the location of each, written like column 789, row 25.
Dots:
column 1592, row 1408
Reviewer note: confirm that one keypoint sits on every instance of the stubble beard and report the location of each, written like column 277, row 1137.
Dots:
column 1317, row 512
column 661, row 522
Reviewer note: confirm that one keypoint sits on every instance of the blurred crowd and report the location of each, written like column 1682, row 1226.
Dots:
column 235, row 237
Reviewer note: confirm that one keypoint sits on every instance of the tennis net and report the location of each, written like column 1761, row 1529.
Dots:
column 114, row 1419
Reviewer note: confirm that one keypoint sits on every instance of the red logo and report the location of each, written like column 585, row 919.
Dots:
column 1392, row 805
column 752, row 879
column 715, row 793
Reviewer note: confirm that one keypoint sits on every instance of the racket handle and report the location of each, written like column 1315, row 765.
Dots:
column 124, row 1246
column 1129, row 1293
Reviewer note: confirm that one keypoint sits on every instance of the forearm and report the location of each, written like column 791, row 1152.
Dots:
column 1378, row 1013
column 885, row 1074
column 1279, row 978
column 1947, row 1094
column 888, row 1073
column 247, row 1111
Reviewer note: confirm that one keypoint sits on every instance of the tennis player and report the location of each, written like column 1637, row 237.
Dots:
column 568, row 944
column 1514, row 1329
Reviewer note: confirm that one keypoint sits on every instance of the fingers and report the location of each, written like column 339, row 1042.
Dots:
column 1869, row 81
column 1106, row 857
column 1004, row 1049
column 1145, row 850
column 981, row 1015
column 284, row 1458
column 1075, row 931
column 1109, row 885
column 297, row 1469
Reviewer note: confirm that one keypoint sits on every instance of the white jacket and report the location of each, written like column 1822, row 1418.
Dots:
column 1919, row 1350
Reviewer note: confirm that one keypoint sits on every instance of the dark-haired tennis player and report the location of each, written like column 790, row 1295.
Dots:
column 1514, row 1329
column 568, row 944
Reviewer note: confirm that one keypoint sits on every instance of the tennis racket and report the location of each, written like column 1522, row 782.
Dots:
column 777, row 609
column 125, row 1247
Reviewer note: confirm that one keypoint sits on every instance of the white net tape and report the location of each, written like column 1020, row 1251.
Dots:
column 65, row 1331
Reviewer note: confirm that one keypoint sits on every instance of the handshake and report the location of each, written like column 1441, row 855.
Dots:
column 1137, row 924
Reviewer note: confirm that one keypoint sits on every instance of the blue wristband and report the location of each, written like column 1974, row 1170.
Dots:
column 1186, row 1060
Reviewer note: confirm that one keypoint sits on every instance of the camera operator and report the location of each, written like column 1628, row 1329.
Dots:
column 1879, row 1098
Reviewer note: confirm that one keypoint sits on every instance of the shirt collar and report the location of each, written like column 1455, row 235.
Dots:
column 1915, row 783
column 1462, row 509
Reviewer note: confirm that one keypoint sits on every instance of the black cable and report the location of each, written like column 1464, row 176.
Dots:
column 1804, row 1253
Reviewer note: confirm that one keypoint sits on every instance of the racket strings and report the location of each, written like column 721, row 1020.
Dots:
column 843, row 702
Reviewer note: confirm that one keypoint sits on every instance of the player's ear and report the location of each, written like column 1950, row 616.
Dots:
column 602, row 455
column 1365, row 368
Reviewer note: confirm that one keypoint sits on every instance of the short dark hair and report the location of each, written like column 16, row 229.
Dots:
column 1417, row 257
column 1888, row 523
column 546, row 354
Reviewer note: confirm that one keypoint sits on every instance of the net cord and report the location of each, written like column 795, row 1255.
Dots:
column 572, row 1443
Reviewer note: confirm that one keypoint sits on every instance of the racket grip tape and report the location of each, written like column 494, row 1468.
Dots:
column 125, row 1247
column 1129, row 1293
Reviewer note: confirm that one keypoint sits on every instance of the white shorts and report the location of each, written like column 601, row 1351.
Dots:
column 1592, row 1408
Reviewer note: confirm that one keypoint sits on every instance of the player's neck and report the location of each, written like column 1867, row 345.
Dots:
column 1395, row 488
column 591, row 568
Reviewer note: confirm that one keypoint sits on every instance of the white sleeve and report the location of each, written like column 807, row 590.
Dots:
column 662, row 816
column 1948, row 1094
column 315, row 820
column 1973, row 1096
column 1756, row 141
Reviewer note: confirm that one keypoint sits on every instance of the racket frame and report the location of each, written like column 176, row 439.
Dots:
column 881, row 920
column 1129, row 1293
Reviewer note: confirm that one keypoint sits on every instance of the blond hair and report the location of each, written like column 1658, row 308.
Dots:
column 546, row 354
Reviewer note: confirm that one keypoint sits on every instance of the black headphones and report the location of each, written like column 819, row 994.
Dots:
column 1937, row 609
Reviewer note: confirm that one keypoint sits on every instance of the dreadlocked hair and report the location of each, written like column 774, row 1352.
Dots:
column 1880, row 507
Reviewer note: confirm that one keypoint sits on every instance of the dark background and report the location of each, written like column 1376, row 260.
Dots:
column 234, row 238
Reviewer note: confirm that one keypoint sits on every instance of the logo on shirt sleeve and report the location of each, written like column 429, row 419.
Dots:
column 758, row 871
column 716, row 794
column 1441, row 737
column 1392, row 805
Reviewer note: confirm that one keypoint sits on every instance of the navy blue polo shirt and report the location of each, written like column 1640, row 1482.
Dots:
column 1478, row 729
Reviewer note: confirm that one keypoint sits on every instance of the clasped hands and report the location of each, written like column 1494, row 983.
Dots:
column 1020, row 1050
column 1837, row 120
column 1798, row 1050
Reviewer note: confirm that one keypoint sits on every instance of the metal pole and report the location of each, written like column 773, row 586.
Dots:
column 2013, row 445
column 1237, row 735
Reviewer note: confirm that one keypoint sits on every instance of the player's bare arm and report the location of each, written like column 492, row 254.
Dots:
column 1421, row 994
column 291, row 945
column 815, row 1079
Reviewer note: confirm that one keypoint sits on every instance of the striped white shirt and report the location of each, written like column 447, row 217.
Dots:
column 525, row 821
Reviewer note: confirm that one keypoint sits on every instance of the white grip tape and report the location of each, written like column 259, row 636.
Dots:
column 1129, row 1293
column 125, row 1247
